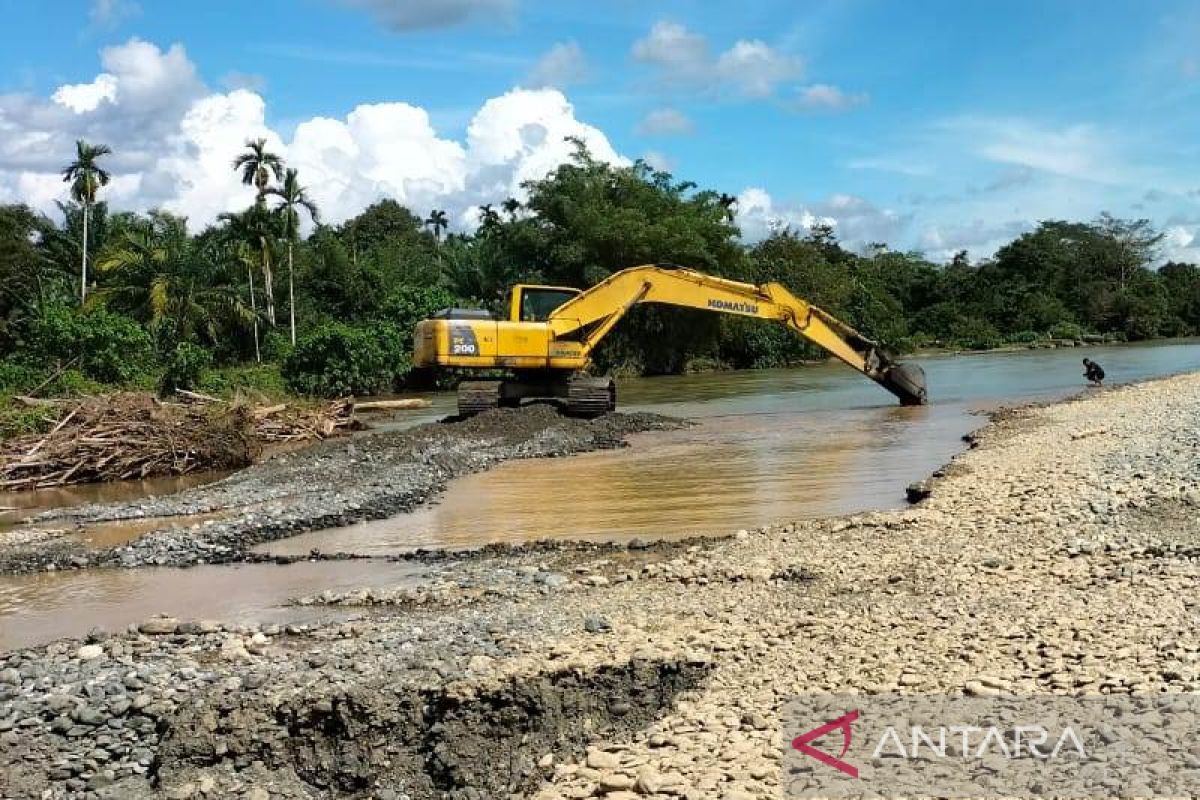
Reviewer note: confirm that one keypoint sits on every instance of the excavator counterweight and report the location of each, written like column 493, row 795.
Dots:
column 551, row 331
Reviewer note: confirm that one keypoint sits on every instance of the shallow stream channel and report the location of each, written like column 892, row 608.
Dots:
column 767, row 446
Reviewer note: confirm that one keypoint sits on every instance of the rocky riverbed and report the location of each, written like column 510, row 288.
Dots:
column 335, row 483
column 1058, row 555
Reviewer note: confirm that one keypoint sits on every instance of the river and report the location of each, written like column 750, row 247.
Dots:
column 768, row 445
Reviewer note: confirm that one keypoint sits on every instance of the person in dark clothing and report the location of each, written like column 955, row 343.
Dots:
column 1093, row 372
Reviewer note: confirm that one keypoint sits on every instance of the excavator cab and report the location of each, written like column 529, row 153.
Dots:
column 532, row 303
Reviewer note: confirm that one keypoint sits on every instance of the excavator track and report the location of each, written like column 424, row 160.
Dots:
column 591, row 397
column 475, row 397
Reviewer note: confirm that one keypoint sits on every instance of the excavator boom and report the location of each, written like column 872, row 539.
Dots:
column 553, row 346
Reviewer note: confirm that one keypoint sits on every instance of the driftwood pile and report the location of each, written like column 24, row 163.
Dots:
column 133, row 435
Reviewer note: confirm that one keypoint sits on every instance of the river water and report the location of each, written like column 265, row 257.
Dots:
column 768, row 445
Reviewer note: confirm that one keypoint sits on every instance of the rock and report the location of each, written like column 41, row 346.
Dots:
column 159, row 626
column 256, row 793
column 615, row 782
column 650, row 781
column 595, row 580
column 916, row 492
column 12, row 677
column 979, row 689
column 596, row 624
column 234, row 649
column 602, row 759
column 89, row 652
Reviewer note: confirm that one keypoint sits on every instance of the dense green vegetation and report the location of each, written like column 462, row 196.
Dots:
column 164, row 308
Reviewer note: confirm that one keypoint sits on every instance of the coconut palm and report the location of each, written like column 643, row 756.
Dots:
column 85, row 177
column 438, row 221
column 292, row 197
column 257, row 165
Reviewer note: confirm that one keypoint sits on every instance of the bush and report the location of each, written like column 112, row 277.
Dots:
column 1066, row 330
column 1023, row 337
column 974, row 333
column 185, row 368
column 337, row 359
column 106, row 347
column 276, row 347
column 262, row 380
column 18, row 378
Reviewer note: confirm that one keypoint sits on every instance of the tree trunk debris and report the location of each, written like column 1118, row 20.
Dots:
column 134, row 435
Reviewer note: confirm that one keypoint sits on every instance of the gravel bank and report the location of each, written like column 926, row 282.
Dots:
column 335, row 483
column 1058, row 555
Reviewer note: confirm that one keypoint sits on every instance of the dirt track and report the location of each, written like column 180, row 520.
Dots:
column 1057, row 556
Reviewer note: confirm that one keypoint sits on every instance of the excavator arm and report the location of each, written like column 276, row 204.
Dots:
column 591, row 314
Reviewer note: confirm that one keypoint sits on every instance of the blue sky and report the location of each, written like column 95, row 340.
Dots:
column 932, row 125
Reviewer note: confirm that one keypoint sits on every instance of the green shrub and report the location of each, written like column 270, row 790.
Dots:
column 405, row 306
column 1066, row 330
column 974, row 333
column 72, row 383
column 276, row 347
column 257, row 379
column 16, row 420
column 337, row 359
column 185, row 368
column 18, row 378
column 106, row 347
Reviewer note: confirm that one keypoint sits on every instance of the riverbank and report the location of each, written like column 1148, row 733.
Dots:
column 332, row 484
column 1057, row 555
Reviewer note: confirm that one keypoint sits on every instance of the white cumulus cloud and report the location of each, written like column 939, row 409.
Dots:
column 681, row 58
column 856, row 221
column 562, row 65
column 666, row 122
column 174, row 141
column 824, row 97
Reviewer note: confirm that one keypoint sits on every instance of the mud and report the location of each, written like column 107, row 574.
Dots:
column 332, row 484
column 423, row 743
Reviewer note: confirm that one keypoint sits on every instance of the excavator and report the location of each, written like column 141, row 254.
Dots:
column 551, row 331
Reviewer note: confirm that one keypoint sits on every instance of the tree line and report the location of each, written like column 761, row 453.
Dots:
column 110, row 297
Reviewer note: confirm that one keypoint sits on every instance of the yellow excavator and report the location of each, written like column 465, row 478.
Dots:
column 551, row 331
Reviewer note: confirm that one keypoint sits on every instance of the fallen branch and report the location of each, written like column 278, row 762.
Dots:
column 386, row 405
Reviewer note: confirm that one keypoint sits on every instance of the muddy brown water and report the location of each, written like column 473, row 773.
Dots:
column 769, row 445
column 45, row 606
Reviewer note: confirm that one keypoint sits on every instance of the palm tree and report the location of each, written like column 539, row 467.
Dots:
column 292, row 197
column 245, row 254
column 85, row 177
column 437, row 220
column 511, row 206
column 727, row 202
column 158, row 280
column 488, row 218
column 259, row 229
column 257, row 165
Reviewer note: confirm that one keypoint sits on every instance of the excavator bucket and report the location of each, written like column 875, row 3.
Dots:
column 907, row 382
